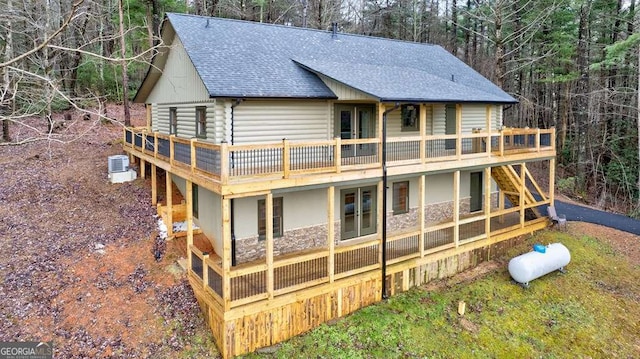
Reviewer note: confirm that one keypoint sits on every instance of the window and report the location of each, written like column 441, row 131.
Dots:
column 201, row 122
column 194, row 199
column 173, row 121
column 277, row 218
column 410, row 118
column 400, row 197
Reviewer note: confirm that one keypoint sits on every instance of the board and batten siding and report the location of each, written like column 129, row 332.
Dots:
column 180, row 81
column 272, row 121
column 344, row 92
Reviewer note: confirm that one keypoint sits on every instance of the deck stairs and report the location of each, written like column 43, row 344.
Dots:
column 509, row 182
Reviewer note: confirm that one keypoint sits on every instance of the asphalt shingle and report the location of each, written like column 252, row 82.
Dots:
column 246, row 59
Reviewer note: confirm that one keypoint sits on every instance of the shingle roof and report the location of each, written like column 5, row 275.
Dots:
column 246, row 59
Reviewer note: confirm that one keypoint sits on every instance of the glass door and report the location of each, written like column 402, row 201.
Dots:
column 358, row 212
column 353, row 122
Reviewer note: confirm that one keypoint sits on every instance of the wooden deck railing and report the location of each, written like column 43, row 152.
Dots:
column 249, row 282
column 225, row 162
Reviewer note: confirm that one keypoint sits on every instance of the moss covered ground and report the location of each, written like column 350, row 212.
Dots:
column 592, row 311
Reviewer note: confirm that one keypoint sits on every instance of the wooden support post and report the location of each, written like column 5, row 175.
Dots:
column 189, row 219
column 286, row 162
column 224, row 163
column 421, row 215
column 523, row 182
column 171, row 149
column 380, row 217
column 552, row 181
column 154, row 185
column 205, row 271
column 423, row 132
column 331, row 243
column 501, row 205
column 456, row 207
column 501, row 144
column 537, row 140
column 143, row 168
column 226, row 252
column 337, row 154
column 488, row 125
column 192, row 144
column 148, row 106
column 458, row 130
column 268, row 206
column 381, row 109
column 487, row 201
column 155, row 145
column 169, row 209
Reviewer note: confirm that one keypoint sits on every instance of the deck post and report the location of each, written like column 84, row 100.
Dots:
column 552, row 181
column 169, row 197
column 458, row 131
column 154, row 185
column 421, row 215
column 171, row 149
column 143, row 168
column 331, row 232
column 148, row 108
column 337, row 154
column 382, row 227
column 192, row 144
column 487, row 201
column 537, row 139
column 224, row 162
column 523, row 182
column 488, row 124
column 423, row 132
column 381, row 110
column 268, row 207
column 500, row 205
column 286, row 161
column 155, row 145
column 189, row 220
column 501, row 144
column 226, row 252
column 456, row 207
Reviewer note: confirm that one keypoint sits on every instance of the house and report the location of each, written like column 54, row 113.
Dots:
column 325, row 170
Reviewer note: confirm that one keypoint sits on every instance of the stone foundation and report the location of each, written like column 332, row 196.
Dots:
column 251, row 248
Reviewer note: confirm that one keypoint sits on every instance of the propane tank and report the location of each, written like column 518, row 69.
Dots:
column 543, row 260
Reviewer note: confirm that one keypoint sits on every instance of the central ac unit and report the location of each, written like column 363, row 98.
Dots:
column 118, row 163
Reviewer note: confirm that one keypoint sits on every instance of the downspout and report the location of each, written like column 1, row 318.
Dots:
column 384, row 199
column 233, row 222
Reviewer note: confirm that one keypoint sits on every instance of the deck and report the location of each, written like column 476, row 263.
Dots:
column 232, row 168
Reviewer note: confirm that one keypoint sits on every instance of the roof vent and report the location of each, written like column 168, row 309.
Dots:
column 453, row 78
column 334, row 30
column 207, row 25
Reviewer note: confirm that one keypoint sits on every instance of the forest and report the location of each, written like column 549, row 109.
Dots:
column 571, row 64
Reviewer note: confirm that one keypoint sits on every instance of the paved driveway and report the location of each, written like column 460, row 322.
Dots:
column 585, row 214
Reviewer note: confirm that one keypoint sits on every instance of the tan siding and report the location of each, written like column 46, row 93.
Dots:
column 179, row 81
column 438, row 119
column 394, row 125
column 473, row 116
column 154, row 117
column 497, row 117
column 271, row 121
column 345, row 92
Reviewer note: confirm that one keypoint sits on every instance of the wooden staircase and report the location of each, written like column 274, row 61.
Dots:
column 510, row 183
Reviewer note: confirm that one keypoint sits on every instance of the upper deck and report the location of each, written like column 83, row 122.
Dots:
column 231, row 169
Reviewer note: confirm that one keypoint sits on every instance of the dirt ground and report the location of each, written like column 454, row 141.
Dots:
column 76, row 252
column 76, row 258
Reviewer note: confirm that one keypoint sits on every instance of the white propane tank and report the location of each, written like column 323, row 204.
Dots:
column 529, row 266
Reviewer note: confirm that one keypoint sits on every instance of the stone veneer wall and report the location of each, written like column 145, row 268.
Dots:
column 251, row 248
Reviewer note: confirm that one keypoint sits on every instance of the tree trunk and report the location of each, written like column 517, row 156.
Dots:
column 581, row 105
column 6, row 103
column 125, row 77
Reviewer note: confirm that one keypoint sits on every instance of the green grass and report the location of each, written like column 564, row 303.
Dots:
column 592, row 311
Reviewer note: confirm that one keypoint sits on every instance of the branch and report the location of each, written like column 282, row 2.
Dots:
column 46, row 41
